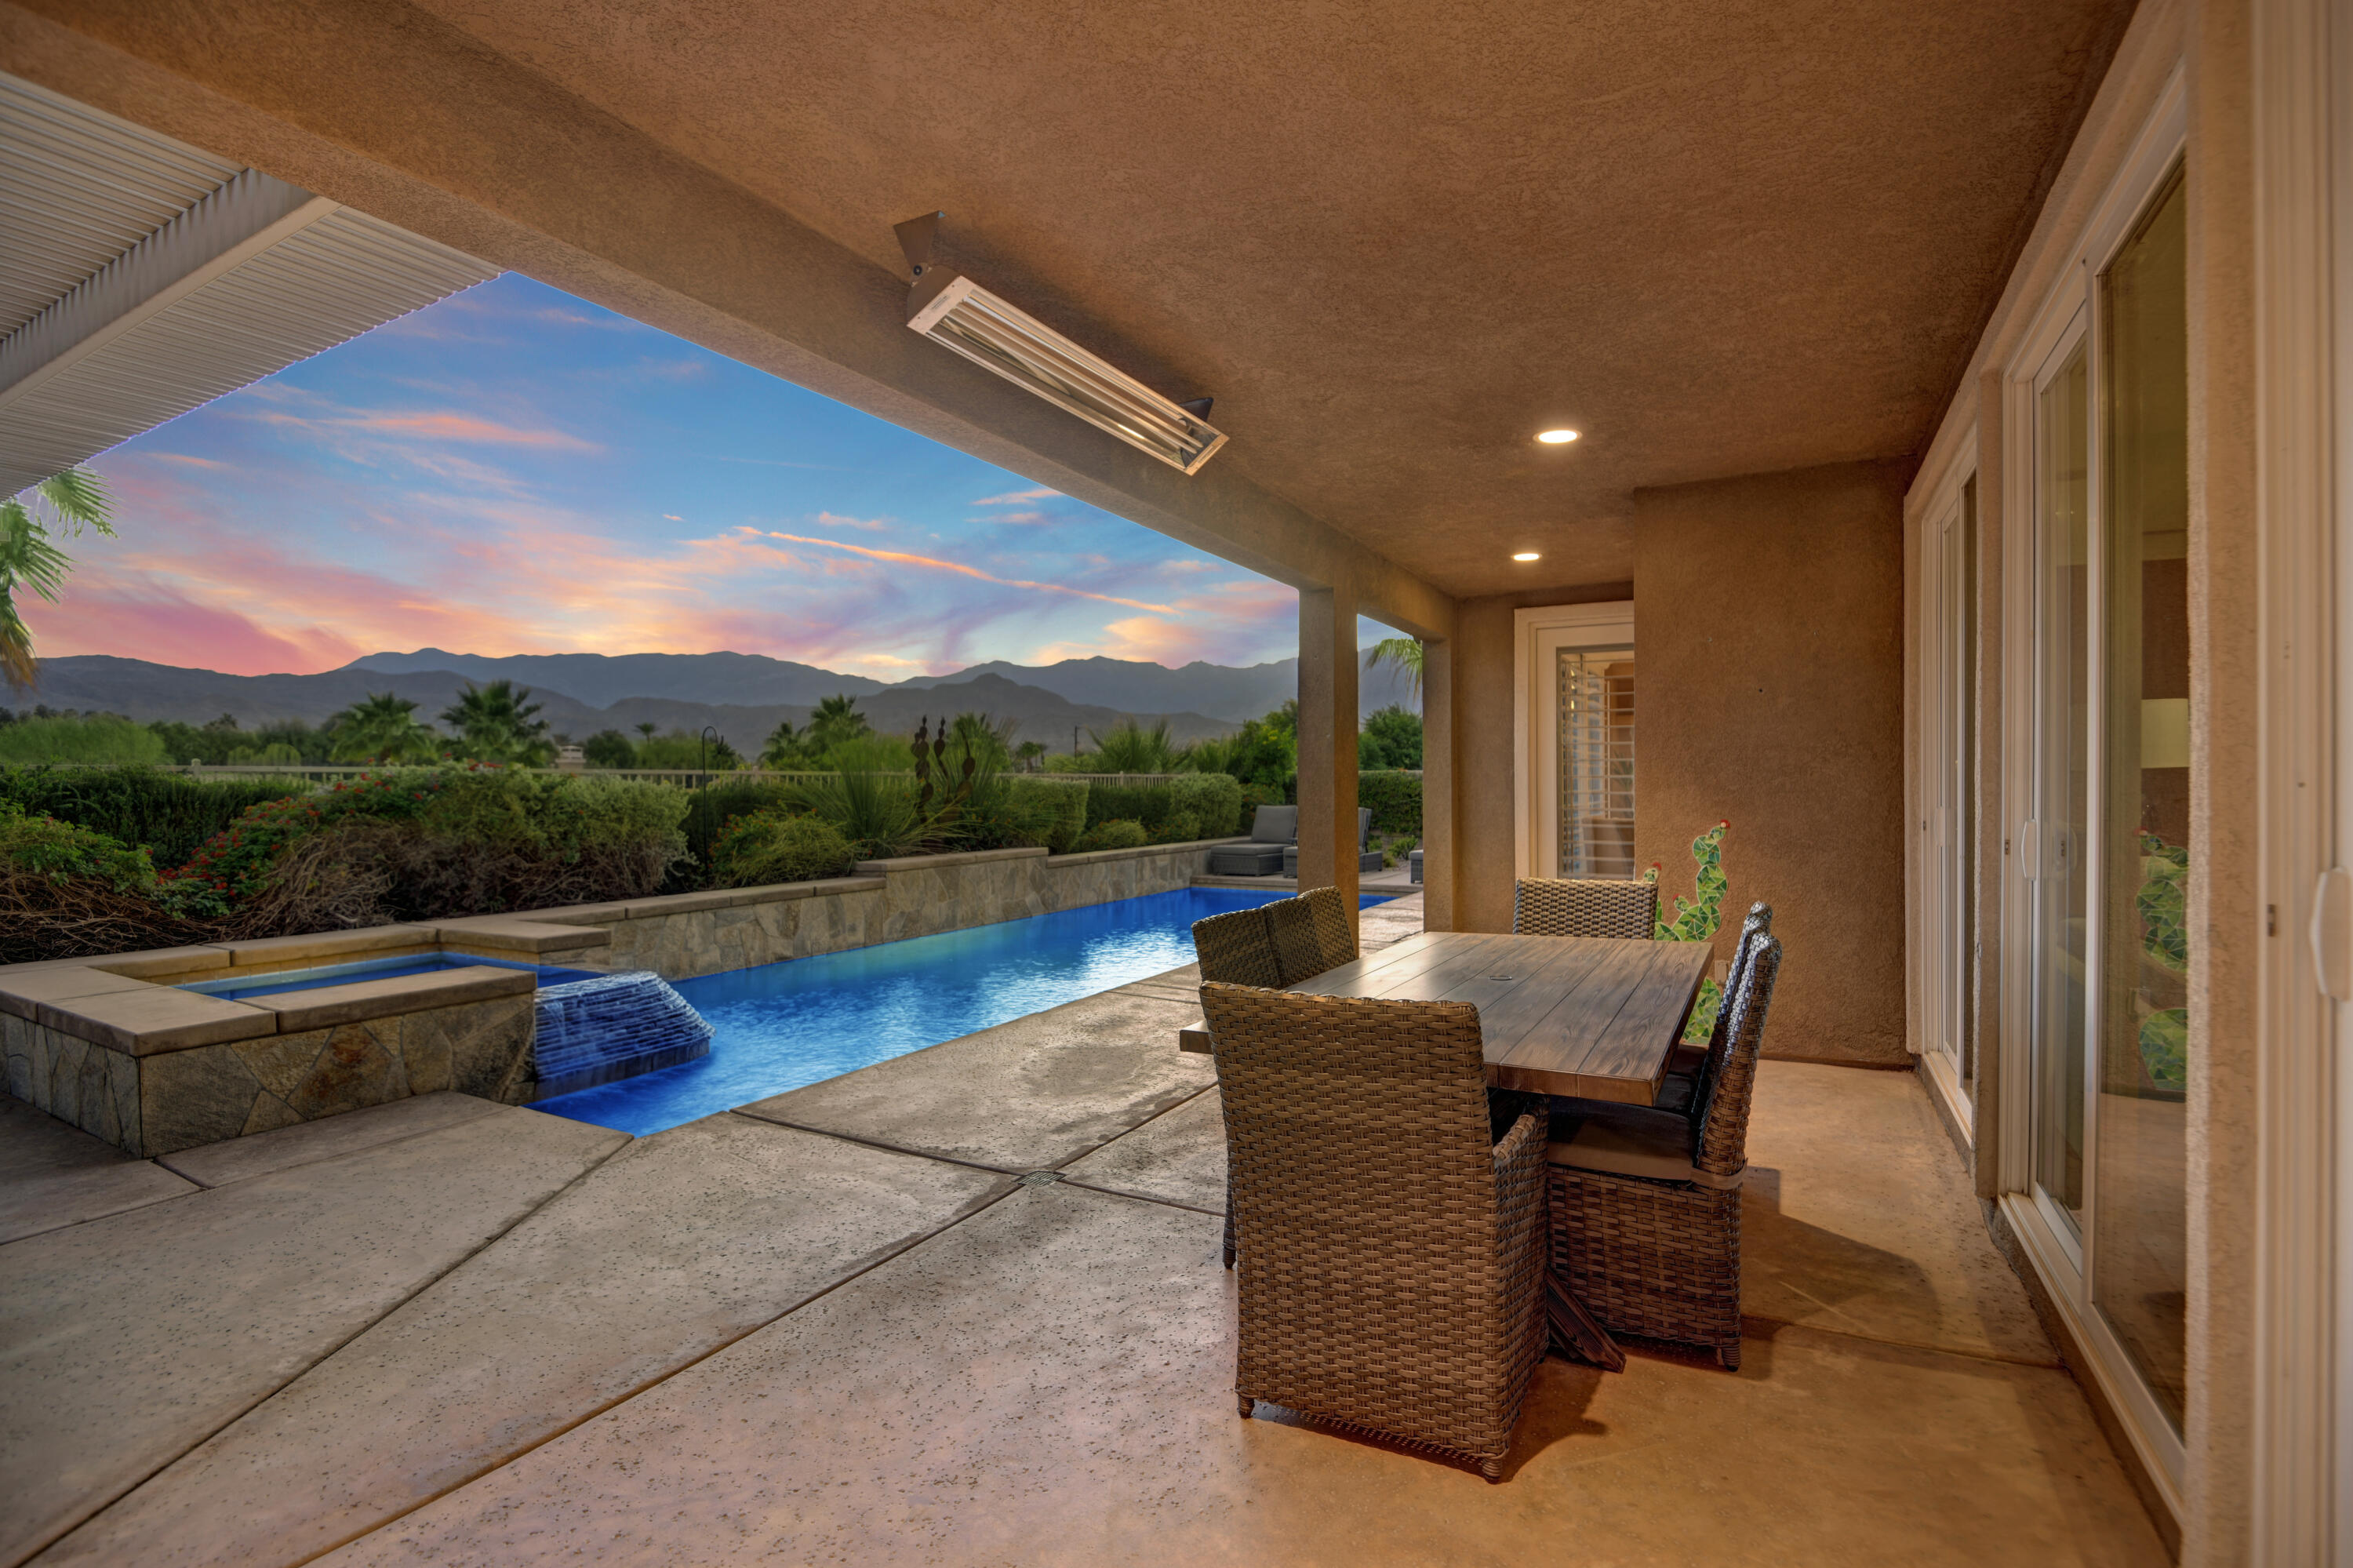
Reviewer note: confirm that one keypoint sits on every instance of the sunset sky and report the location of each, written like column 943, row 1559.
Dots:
column 514, row 471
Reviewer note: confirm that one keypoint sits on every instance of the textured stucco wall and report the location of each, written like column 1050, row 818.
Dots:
column 1769, row 651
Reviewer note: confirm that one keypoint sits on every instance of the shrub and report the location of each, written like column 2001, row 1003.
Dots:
column 1396, row 736
column 68, row 892
column 608, row 748
column 1148, row 805
column 773, row 846
column 168, row 814
column 709, row 808
column 1179, row 828
column 98, row 740
column 1395, row 799
column 1060, row 808
column 877, row 813
column 1111, row 835
column 425, row 843
column 1215, row 800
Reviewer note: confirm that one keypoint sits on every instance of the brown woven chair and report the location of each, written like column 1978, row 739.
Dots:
column 1312, row 934
column 1236, row 949
column 1394, row 1280
column 1646, row 1203
column 1550, row 907
column 1688, row 1066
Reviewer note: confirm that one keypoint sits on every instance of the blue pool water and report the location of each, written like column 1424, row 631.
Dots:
column 782, row 1025
column 278, row 981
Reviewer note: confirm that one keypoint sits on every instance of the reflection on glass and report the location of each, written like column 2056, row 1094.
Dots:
column 2139, row 1272
column 2062, row 464
column 1597, row 763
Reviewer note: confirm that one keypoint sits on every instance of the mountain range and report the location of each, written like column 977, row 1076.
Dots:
column 742, row 695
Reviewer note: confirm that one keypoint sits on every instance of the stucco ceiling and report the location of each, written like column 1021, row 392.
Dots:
column 1395, row 241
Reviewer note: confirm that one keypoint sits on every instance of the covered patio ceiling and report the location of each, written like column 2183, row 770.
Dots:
column 1396, row 242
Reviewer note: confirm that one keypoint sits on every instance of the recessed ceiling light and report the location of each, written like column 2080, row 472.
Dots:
column 1557, row 437
column 1525, row 555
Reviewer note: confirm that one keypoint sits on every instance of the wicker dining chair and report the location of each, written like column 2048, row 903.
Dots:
column 1688, row 1066
column 1646, row 1203
column 1552, row 907
column 1394, row 1280
column 1235, row 949
column 1312, row 934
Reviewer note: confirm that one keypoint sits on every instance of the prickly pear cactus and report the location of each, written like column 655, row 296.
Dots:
column 1697, row 919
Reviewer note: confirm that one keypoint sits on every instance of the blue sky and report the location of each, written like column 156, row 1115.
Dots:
column 514, row 471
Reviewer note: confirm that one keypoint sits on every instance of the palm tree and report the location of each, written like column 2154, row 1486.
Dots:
column 646, row 731
column 785, row 747
column 836, row 719
column 1405, row 653
column 383, row 728
column 497, row 727
column 67, row 502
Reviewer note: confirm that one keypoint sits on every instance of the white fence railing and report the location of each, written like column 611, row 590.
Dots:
column 688, row 778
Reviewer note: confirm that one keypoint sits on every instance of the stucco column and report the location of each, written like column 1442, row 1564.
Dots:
column 1327, row 741
column 1438, row 784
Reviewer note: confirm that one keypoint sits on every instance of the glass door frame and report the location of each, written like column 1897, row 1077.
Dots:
column 2068, row 317
column 1949, row 695
column 1539, row 635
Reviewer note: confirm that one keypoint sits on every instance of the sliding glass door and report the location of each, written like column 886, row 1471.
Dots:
column 2108, row 853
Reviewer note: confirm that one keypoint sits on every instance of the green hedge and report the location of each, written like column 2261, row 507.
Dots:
column 1056, row 809
column 170, row 813
column 1147, row 805
column 1395, row 800
column 1215, row 800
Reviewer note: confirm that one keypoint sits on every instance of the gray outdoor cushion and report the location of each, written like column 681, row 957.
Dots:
column 1246, row 860
column 1275, row 826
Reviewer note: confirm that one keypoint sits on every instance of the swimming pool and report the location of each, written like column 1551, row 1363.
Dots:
column 272, row 982
column 782, row 1025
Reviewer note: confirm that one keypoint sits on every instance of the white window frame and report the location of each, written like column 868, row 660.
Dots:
column 1538, row 638
column 1938, row 974
column 2066, row 1272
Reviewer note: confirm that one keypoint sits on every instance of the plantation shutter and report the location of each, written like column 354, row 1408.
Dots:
column 1597, row 762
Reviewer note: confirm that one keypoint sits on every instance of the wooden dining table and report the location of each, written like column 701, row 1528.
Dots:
column 1595, row 1017
column 1591, row 1016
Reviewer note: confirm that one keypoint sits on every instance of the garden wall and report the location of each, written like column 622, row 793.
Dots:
column 680, row 936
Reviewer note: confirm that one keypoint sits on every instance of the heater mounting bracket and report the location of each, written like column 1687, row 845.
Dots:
column 915, row 237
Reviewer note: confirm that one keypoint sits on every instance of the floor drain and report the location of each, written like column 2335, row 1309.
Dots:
column 1041, row 1178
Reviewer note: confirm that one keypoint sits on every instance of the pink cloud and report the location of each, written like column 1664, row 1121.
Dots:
column 1016, row 497
column 901, row 558
column 161, row 626
column 466, row 428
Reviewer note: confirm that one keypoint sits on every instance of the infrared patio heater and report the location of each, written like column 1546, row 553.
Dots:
column 957, row 313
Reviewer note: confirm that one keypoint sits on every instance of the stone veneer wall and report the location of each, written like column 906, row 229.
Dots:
column 694, row 934
column 178, row 1099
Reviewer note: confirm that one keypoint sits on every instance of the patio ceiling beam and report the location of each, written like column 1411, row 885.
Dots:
column 391, row 111
column 237, row 222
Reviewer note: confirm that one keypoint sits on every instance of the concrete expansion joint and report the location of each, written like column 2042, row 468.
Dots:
column 101, row 1504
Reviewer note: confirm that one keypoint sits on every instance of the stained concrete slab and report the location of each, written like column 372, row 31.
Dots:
column 1026, row 1096
column 683, row 1242
column 132, row 1339
column 53, row 1174
column 1177, row 1157
column 1050, row 1383
column 1858, row 1219
column 282, row 1148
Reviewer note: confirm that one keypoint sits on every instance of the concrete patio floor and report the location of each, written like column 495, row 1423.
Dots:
column 963, row 1307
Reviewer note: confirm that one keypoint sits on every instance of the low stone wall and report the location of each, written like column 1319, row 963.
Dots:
column 691, row 934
